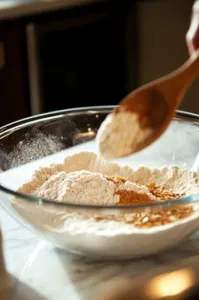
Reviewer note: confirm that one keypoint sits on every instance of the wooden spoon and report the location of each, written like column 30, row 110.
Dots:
column 155, row 103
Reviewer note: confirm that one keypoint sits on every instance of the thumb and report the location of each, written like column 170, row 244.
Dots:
column 192, row 36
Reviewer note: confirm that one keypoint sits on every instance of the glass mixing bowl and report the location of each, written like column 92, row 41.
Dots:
column 44, row 139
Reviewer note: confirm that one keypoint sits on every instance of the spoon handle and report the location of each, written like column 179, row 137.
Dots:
column 190, row 69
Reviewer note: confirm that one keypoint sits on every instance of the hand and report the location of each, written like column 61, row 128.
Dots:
column 192, row 36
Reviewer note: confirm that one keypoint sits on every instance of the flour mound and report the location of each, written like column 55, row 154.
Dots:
column 81, row 187
column 81, row 179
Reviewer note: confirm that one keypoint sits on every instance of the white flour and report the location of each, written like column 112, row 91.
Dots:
column 77, row 180
column 120, row 134
column 81, row 187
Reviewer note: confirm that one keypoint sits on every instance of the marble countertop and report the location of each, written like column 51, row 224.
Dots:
column 34, row 266
column 10, row 9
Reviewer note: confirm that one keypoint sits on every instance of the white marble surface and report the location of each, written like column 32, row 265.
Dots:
column 43, row 272
column 17, row 8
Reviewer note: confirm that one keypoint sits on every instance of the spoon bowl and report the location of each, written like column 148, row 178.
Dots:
column 153, row 113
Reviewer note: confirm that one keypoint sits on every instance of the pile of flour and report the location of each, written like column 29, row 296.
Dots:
column 51, row 182
column 82, row 179
column 80, row 187
column 119, row 135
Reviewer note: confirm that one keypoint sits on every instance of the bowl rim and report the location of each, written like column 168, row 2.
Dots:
column 180, row 115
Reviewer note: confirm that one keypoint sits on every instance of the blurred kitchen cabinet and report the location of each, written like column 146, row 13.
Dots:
column 85, row 57
column 13, row 74
column 79, row 56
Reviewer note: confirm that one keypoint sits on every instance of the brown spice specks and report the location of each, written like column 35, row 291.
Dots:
column 154, row 218
column 161, row 217
column 162, row 193
column 133, row 198
column 129, row 197
column 116, row 179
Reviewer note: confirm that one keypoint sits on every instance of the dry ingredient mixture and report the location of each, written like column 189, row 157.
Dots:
column 82, row 179
column 119, row 134
column 84, row 187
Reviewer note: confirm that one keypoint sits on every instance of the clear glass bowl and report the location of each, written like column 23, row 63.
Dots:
column 25, row 144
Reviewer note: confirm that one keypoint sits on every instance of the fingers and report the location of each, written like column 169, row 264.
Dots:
column 192, row 36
